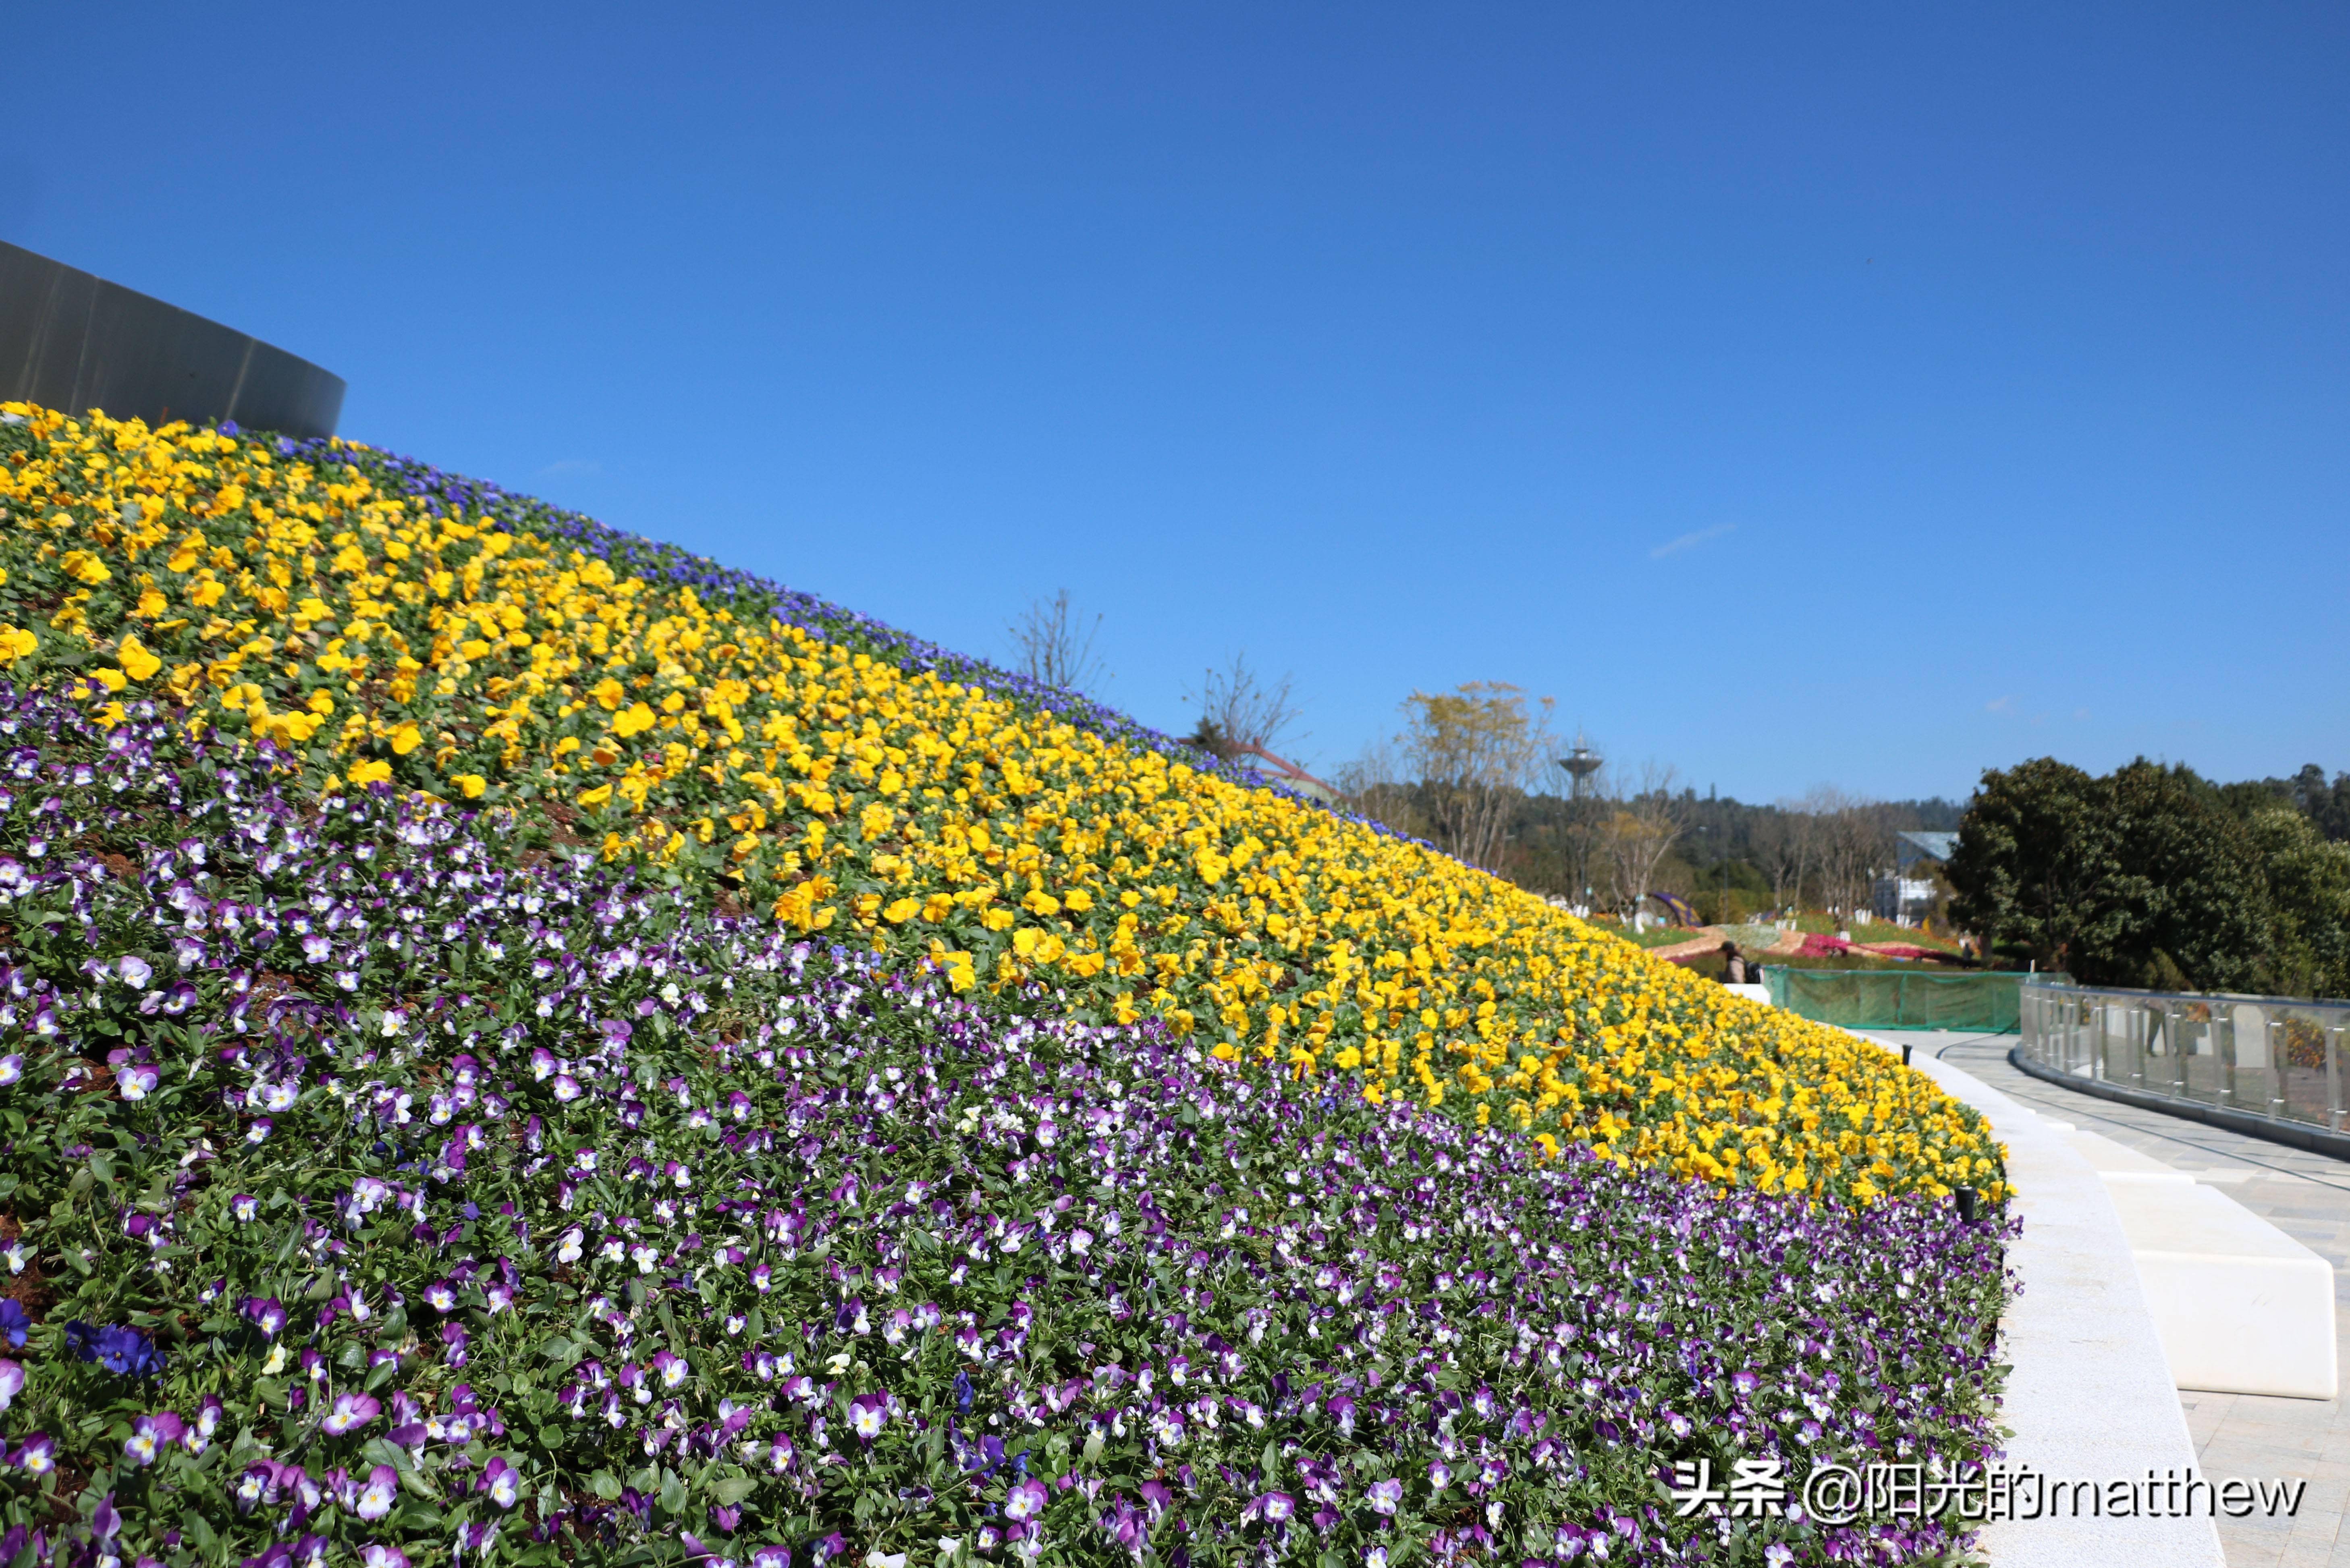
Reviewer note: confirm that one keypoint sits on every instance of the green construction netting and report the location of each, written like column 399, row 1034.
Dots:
column 1879, row 999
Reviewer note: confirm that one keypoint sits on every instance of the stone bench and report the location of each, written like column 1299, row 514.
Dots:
column 2240, row 1307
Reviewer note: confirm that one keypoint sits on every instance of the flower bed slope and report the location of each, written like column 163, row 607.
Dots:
column 378, row 1195
column 304, row 596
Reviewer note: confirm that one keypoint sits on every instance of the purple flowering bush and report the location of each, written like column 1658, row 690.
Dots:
column 380, row 1185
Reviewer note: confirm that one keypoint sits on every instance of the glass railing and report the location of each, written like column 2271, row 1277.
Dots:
column 2262, row 1055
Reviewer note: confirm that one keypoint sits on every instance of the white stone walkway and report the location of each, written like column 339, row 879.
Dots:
column 2306, row 1195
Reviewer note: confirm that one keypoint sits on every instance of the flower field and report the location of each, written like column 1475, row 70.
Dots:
column 384, row 1184
column 378, row 622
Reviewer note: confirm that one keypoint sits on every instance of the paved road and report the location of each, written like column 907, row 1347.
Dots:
column 2307, row 1197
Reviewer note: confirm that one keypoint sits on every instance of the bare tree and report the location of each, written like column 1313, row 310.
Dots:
column 1054, row 647
column 1637, row 833
column 1475, row 751
column 1852, row 841
column 1374, row 784
column 1780, row 844
column 1241, row 710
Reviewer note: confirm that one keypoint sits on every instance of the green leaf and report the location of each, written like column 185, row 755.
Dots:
column 194, row 1527
column 672, row 1495
column 731, row 1489
column 606, row 1485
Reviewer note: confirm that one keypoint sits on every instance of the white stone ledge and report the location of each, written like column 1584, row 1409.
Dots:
column 2089, row 1397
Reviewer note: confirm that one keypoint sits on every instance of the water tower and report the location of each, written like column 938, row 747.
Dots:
column 1581, row 764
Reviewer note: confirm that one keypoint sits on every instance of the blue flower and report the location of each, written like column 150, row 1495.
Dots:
column 14, row 1323
column 120, row 1350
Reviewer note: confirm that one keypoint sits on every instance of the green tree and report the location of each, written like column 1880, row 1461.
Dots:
column 2037, row 863
column 2147, row 876
column 2309, row 888
column 2190, row 885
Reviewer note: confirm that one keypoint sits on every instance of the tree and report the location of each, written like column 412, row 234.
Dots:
column 1054, row 647
column 2190, row 886
column 2142, row 876
column 1636, row 835
column 2327, row 806
column 1474, row 751
column 1780, row 841
column 2035, row 862
column 2309, row 886
column 1240, row 712
column 1849, row 842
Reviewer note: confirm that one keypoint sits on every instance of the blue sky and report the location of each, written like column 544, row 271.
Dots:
column 1866, row 395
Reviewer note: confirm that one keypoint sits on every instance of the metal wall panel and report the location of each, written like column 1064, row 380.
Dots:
column 73, row 342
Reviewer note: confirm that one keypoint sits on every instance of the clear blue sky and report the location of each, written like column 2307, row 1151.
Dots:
column 1867, row 394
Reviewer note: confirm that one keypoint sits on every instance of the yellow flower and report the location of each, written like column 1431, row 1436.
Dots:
column 1150, row 888
column 84, row 567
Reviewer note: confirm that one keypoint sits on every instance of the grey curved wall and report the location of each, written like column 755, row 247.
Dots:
column 73, row 342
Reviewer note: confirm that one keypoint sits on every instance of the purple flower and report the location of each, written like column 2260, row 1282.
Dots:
column 376, row 1498
column 151, row 1435
column 351, row 1412
column 1024, row 1502
column 36, row 1455
column 501, row 1482
column 1272, row 1507
column 135, row 1082
column 263, row 1312
column 867, row 1414
column 15, row 1324
column 1385, row 1496
column 374, row 1555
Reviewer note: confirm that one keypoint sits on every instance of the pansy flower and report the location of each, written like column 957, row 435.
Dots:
column 501, row 1482
column 376, row 1498
column 351, row 1411
column 151, row 1435
column 869, row 1414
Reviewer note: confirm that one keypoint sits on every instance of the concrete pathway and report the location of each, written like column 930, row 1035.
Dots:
column 2307, row 1197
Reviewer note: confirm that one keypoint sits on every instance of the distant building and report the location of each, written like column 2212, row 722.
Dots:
column 1907, row 895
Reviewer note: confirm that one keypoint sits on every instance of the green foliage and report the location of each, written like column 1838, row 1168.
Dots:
column 2151, row 875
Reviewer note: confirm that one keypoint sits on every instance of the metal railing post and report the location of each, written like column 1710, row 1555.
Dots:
column 2333, row 1038
column 2276, row 1043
